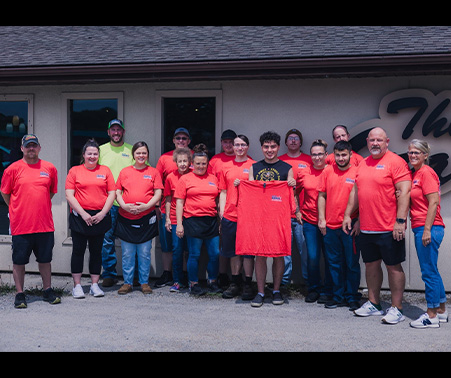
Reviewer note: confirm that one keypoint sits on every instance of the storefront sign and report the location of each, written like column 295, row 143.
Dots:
column 413, row 114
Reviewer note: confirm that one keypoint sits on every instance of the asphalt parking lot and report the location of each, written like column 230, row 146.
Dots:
column 178, row 322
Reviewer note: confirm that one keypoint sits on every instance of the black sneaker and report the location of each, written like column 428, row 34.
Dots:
column 50, row 296
column 334, row 304
column 248, row 293
column 312, row 297
column 232, row 291
column 277, row 298
column 165, row 279
column 213, row 288
column 258, row 301
column 20, row 301
column 323, row 299
column 196, row 290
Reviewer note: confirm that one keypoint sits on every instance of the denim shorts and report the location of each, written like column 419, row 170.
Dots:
column 382, row 246
column 41, row 244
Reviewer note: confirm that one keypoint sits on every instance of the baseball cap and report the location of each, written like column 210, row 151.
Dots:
column 228, row 134
column 29, row 138
column 182, row 130
column 116, row 122
column 293, row 131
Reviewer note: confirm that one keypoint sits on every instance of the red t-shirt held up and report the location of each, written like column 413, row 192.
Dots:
column 376, row 179
column 264, row 218
column 30, row 186
column 425, row 181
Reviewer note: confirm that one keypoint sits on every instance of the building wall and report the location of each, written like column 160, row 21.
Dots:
column 314, row 106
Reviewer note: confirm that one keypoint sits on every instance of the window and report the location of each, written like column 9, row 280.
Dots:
column 200, row 111
column 16, row 120
column 89, row 119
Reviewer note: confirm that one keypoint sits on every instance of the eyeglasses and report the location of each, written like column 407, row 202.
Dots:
column 181, row 138
column 317, row 155
column 293, row 138
column 238, row 145
column 414, row 153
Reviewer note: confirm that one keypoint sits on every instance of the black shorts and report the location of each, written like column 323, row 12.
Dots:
column 382, row 247
column 228, row 237
column 40, row 243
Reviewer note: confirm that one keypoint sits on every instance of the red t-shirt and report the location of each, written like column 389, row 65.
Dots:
column 169, row 189
column 425, row 181
column 264, row 224
column 199, row 193
column 138, row 185
column 337, row 185
column 376, row 179
column 297, row 163
column 165, row 166
column 308, row 180
column 233, row 170
column 91, row 186
column 355, row 159
column 30, row 206
column 217, row 162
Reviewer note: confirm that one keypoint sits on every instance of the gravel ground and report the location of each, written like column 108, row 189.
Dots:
column 164, row 321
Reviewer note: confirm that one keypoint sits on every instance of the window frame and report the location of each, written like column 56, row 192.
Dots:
column 65, row 132
column 5, row 238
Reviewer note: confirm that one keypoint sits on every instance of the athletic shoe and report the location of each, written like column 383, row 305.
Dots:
column 443, row 318
column 248, row 293
column 368, row 309
column 258, row 301
column 277, row 298
column 165, row 279
column 334, row 304
column 393, row 316
column 175, row 288
column 232, row 291
column 353, row 305
column 213, row 288
column 312, row 297
column 96, row 291
column 50, row 296
column 197, row 290
column 125, row 289
column 20, row 301
column 77, row 292
column 109, row 281
column 424, row 321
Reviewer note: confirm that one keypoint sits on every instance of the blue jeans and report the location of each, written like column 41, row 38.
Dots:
column 109, row 259
column 178, row 247
column 297, row 236
column 315, row 247
column 130, row 252
column 428, row 257
column 164, row 235
column 194, row 247
column 343, row 257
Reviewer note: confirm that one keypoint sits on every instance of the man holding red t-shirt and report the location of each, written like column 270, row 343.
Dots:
column 382, row 222
column 27, row 187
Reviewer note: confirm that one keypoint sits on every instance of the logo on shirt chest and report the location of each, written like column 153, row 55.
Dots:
column 211, row 183
column 43, row 174
column 350, row 181
column 380, row 166
column 276, row 198
column 100, row 176
column 147, row 177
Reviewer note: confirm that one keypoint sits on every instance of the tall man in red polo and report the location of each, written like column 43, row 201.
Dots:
column 382, row 222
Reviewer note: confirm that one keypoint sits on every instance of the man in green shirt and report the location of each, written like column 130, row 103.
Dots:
column 116, row 154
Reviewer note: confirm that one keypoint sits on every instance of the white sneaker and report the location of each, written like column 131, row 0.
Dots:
column 77, row 292
column 443, row 318
column 368, row 309
column 96, row 291
column 424, row 321
column 393, row 316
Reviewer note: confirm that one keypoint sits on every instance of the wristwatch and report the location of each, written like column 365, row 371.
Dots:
column 400, row 220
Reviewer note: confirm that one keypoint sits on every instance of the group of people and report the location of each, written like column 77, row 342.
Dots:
column 334, row 207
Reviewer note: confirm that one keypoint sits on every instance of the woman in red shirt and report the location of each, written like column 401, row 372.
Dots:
column 308, row 179
column 197, row 217
column 428, row 228
column 183, row 159
column 138, row 190
column 90, row 192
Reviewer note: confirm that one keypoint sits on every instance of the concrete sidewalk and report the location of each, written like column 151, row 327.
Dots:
column 164, row 321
